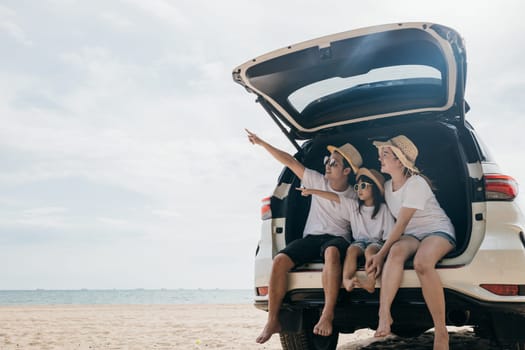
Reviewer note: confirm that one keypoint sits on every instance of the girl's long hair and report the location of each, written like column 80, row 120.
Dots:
column 376, row 195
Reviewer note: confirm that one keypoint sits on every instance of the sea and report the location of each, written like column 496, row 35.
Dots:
column 125, row 296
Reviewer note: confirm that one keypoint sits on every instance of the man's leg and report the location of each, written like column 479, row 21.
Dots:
column 277, row 289
column 331, row 285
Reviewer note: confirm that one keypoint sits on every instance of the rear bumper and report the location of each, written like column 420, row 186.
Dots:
column 359, row 309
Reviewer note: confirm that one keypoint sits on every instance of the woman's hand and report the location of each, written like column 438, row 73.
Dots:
column 375, row 264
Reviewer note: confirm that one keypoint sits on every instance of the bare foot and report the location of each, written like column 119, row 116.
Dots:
column 349, row 284
column 269, row 329
column 369, row 284
column 324, row 326
column 383, row 327
column 441, row 339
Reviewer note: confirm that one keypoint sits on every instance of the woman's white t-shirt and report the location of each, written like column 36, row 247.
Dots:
column 417, row 194
column 363, row 226
column 325, row 216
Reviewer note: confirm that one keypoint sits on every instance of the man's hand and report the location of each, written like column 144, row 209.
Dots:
column 254, row 139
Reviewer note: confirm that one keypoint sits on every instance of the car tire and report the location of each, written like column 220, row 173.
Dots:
column 306, row 340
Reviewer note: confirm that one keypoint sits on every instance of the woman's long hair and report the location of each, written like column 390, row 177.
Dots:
column 376, row 195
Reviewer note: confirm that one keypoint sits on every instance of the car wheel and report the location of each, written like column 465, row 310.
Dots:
column 306, row 340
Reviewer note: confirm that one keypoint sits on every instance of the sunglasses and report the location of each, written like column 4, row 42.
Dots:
column 361, row 186
column 329, row 161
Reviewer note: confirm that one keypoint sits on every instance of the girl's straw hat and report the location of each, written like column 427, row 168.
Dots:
column 350, row 153
column 373, row 175
column 404, row 149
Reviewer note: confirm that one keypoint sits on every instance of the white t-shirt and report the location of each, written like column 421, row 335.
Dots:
column 325, row 216
column 417, row 194
column 363, row 226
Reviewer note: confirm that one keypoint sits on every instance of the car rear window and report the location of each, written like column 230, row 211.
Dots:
column 384, row 76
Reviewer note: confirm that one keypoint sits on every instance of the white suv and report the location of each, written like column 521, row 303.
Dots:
column 372, row 84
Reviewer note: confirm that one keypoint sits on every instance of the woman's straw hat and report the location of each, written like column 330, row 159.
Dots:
column 350, row 153
column 373, row 175
column 404, row 149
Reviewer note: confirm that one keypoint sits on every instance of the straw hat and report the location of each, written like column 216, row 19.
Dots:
column 404, row 149
column 373, row 175
column 350, row 153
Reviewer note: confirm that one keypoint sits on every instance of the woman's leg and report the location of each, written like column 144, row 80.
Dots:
column 431, row 250
column 391, row 278
column 350, row 266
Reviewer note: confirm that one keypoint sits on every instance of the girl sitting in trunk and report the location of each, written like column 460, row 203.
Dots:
column 370, row 221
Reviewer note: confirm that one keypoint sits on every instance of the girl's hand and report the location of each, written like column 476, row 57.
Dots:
column 305, row 192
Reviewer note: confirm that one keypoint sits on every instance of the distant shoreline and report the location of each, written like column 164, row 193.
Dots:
column 137, row 296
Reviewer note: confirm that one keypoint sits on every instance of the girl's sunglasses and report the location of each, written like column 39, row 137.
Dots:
column 361, row 186
column 329, row 161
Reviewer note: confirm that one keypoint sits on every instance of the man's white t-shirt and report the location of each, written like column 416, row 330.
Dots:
column 363, row 226
column 325, row 216
column 417, row 194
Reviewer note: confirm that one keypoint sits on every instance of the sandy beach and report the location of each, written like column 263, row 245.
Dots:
column 172, row 327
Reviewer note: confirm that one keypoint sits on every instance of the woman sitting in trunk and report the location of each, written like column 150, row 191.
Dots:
column 422, row 230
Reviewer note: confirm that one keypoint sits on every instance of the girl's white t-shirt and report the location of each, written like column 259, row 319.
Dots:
column 363, row 226
column 325, row 216
column 417, row 194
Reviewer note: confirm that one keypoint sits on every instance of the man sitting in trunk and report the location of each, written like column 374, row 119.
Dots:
column 326, row 233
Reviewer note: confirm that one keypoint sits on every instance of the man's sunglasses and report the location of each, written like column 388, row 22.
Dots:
column 329, row 161
column 361, row 186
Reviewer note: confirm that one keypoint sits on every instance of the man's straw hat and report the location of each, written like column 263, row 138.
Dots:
column 350, row 153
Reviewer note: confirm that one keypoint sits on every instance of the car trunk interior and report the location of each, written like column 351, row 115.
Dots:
column 440, row 158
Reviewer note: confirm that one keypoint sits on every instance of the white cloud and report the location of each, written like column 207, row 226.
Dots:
column 9, row 25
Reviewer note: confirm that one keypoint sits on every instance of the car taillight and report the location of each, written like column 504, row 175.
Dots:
column 500, row 187
column 505, row 289
column 262, row 291
column 266, row 209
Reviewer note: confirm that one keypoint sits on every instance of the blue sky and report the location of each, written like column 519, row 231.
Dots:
column 124, row 160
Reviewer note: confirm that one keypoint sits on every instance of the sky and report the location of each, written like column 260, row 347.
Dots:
column 124, row 162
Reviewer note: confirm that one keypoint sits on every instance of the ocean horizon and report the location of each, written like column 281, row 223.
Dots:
column 137, row 296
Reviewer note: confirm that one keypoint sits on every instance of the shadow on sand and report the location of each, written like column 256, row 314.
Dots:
column 464, row 339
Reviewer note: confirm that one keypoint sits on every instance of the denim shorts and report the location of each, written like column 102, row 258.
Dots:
column 365, row 243
column 445, row 235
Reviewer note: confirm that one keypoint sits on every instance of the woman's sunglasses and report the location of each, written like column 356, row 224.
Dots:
column 361, row 186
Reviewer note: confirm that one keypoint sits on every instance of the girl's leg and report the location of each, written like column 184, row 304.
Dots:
column 391, row 278
column 369, row 284
column 431, row 250
column 350, row 266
